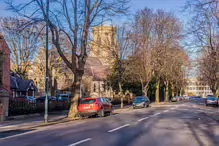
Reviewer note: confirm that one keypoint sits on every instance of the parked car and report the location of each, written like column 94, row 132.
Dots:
column 42, row 99
column 63, row 97
column 211, row 100
column 141, row 101
column 174, row 99
column 95, row 106
column 30, row 99
column 21, row 98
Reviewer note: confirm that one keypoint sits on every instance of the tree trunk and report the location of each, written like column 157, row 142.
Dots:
column 181, row 92
column 146, row 90
column 73, row 111
column 172, row 91
column 120, row 94
column 157, row 91
column 167, row 91
column 142, row 88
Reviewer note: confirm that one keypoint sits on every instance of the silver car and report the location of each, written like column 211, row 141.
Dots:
column 141, row 101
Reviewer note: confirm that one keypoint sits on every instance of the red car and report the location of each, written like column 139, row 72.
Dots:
column 95, row 106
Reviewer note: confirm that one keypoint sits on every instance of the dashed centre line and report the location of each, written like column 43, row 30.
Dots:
column 142, row 119
column 79, row 142
column 156, row 114
column 165, row 111
column 118, row 128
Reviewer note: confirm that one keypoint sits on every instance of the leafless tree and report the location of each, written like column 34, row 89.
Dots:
column 71, row 20
column 23, row 43
column 142, row 40
column 204, row 29
column 167, row 34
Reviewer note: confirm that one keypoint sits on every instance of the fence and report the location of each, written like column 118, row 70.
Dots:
column 20, row 107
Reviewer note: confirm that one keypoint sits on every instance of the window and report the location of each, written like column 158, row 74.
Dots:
column 102, row 100
column 88, row 101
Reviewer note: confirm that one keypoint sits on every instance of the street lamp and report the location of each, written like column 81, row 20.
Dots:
column 47, row 54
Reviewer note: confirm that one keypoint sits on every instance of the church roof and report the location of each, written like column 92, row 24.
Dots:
column 96, row 69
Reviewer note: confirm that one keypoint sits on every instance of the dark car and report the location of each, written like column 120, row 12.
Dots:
column 42, row 99
column 95, row 106
column 211, row 100
column 63, row 97
column 141, row 101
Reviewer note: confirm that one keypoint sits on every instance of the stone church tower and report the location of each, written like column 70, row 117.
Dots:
column 99, row 62
column 103, row 44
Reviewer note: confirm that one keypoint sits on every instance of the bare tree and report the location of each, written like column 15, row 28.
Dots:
column 23, row 43
column 142, row 39
column 167, row 33
column 204, row 29
column 72, row 20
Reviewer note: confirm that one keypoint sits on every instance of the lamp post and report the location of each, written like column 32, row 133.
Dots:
column 47, row 54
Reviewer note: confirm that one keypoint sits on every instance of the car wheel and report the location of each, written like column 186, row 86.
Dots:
column 133, row 107
column 101, row 113
column 111, row 112
column 206, row 104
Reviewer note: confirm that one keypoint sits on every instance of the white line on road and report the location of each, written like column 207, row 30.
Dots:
column 79, row 142
column 21, row 134
column 172, row 108
column 142, row 119
column 165, row 111
column 156, row 114
column 118, row 128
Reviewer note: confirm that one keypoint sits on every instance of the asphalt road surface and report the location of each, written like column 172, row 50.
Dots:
column 178, row 124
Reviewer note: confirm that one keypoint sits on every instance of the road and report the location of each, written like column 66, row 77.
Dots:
column 179, row 124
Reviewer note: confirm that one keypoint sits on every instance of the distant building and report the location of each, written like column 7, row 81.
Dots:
column 197, row 88
column 21, row 87
column 4, row 65
column 99, row 62
column 97, row 67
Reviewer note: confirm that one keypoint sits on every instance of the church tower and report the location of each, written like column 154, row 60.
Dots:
column 103, row 44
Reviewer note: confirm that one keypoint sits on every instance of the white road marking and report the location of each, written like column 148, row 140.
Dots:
column 25, row 133
column 142, row 119
column 118, row 128
column 165, row 111
column 10, row 126
column 172, row 108
column 79, row 142
column 156, row 114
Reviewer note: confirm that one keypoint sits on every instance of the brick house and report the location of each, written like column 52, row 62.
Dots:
column 5, row 64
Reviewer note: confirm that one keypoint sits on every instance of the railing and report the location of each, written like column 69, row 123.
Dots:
column 20, row 107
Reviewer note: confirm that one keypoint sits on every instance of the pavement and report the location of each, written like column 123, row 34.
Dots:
column 176, row 124
column 37, row 120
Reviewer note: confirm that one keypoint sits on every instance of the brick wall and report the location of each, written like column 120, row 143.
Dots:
column 6, row 65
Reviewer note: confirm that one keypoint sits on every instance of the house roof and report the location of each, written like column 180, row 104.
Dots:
column 20, row 84
column 14, row 84
column 25, row 85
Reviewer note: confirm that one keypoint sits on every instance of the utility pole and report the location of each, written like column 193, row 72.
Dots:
column 47, row 54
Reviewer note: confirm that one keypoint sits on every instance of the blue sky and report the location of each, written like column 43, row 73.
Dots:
column 168, row 5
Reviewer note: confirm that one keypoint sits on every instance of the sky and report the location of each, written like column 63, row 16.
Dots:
column 175, row 6
column 168, row 5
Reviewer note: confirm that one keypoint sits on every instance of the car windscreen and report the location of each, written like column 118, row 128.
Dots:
column 211, row 98
column 88, row 101
column 140, row 99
